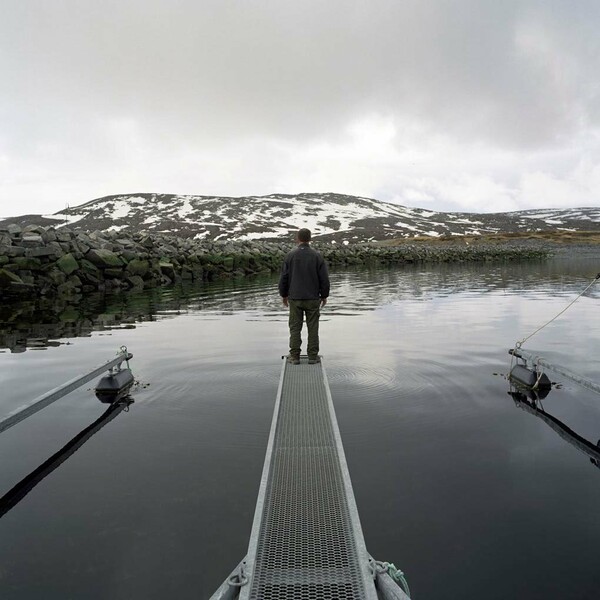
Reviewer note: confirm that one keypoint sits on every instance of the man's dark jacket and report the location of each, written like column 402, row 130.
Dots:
column 304, row 275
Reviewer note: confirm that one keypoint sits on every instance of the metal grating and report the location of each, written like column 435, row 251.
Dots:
column 306, row 541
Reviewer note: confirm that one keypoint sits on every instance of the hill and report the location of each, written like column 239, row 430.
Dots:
column 331, row 217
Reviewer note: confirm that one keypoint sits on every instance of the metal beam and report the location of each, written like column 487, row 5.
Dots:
column 21, row 413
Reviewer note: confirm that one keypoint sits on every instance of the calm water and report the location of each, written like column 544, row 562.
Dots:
column 469, row 494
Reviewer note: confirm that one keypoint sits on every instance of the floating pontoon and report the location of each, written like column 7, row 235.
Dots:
column 112, row 389
column 535, row 363
column 112, row 366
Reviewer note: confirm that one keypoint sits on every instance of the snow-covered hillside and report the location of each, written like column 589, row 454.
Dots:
column 329, row 216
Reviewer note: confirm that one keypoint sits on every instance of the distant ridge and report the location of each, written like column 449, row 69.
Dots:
column 331, row 217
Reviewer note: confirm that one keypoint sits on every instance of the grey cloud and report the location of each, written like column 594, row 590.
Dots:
column 517, row 75
column 299, row 68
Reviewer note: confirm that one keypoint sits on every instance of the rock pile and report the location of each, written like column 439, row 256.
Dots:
column 38, row 260
column 35, row 260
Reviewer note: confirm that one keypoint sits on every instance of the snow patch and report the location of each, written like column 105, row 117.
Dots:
column 275, row 232
column 65, row 218
column 185, row 209
column 120, row 209
column 407, row 226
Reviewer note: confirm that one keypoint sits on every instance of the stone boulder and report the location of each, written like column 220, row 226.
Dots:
column 228, row 262
column 104, row 259
column 8, row 277
column 167, row 269
column 135, row 281
column 14, row 229
column 138, row 267
column 41, row 251
column 67, row 264
column 15, row 251
column 64, row 235
column 28, row 264
column 113, row 273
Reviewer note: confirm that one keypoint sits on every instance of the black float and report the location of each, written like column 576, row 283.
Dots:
column 529, row 378
column 114, row 386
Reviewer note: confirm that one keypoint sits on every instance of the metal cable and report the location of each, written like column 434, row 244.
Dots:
column 520, row 343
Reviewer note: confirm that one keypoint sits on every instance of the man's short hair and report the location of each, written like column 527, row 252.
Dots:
column 304, row 235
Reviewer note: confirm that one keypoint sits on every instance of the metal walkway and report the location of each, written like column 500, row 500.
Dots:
column 306, row 540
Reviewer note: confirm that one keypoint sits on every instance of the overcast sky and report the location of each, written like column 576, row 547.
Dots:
column 476, row 105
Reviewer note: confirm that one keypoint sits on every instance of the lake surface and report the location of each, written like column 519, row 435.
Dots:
column 470, row 495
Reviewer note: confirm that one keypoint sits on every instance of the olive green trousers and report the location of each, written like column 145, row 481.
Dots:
column 298, row 309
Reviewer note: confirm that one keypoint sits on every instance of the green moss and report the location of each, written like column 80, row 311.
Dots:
column 67, row 264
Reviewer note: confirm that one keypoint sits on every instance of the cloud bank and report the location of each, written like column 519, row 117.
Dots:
column 451, row 105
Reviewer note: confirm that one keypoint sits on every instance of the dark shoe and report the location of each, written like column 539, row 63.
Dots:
column 314, row 361
column 293, row 360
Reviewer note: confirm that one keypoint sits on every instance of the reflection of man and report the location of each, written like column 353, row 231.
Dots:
column 304, row 287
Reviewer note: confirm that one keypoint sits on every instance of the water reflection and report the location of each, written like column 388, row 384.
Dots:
column 45, row 323
column 21, row 489
column 48, row 322
column 531, row 402
column 410, row 354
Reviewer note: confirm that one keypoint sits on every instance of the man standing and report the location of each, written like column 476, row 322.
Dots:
column 304, row 287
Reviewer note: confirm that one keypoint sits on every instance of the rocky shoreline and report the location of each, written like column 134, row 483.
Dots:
column 40, row 261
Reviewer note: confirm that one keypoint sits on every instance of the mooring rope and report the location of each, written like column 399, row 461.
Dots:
column 520, row 343
column 393, row 571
